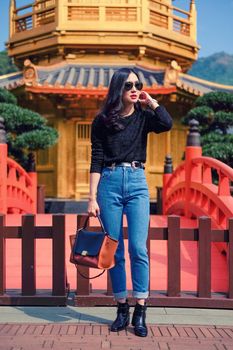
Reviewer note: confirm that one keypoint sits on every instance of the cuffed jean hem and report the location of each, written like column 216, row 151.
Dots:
column 120, row 295
column 140, row 295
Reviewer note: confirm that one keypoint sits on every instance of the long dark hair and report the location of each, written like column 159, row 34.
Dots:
column 113, row 103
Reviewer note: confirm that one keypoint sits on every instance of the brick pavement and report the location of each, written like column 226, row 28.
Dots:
column 75, row 336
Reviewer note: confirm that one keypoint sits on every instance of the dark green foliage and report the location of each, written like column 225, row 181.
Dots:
column 217, row 68
column 222, row 121
column 218, row 146
column 26, row 130
column 6, row 65
column 214, row 112
column 18, row 119
column 217, row 100
column 7, row 97
column 203, row 115
column 37, row 139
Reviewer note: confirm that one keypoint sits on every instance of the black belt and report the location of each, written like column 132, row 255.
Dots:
column 134, row 164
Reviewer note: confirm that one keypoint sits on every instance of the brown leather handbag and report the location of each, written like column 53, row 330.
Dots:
column 93, row 249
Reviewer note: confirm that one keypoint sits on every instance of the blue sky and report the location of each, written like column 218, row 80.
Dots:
column 215, row 24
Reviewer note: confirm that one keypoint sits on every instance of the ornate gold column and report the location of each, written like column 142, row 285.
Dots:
column 12, row 8
column 193, row 20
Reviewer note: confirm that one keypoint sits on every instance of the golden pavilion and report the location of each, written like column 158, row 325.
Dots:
column 67, row 51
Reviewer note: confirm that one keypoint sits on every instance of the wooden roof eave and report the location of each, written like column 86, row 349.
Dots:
column 98, row 91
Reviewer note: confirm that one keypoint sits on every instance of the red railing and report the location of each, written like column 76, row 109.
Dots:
column 192, row 190
column 175, row 235
column 199, row 238
column 29, row 233
column 18, row 189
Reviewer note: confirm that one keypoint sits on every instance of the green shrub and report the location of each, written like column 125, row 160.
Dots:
column 214, row 112
column 26, row 131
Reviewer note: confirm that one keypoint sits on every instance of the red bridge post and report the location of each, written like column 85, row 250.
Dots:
column 3, row 168
column 168, row 170
column 193, row 150
column 33, row 175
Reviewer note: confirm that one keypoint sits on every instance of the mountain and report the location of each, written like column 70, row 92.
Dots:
column 6, row 66
column 217, row 68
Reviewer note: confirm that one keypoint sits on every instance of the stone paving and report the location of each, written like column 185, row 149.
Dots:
column 84, row 328
column 87, row 336
column 77, row 328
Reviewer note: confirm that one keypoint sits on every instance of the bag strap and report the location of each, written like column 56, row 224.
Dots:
column 100, row 221
column 89, row 278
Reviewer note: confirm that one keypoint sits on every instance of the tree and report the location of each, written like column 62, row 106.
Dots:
column 26, row 131
column 6, row 65
column 214, row 112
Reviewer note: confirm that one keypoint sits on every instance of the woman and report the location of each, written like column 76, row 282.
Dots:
column 118, row 184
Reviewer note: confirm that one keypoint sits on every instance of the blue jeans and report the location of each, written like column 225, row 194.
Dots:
column 124, row 190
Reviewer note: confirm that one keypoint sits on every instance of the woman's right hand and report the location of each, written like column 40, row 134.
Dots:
column 93, row 208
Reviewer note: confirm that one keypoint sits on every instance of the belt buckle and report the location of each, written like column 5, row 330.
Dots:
column 133, row 164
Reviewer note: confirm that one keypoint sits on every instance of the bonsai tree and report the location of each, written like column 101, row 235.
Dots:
column 214, row 112
column 6, row 64
column 26, row 131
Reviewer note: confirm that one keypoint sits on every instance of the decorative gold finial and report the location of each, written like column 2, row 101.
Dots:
column 174, row 65
column 27, row 63
column 29, row 73
column 142, row 51
column 171, row 74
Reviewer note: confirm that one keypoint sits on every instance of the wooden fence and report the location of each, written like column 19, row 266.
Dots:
column 174, row 296
column 29, row 233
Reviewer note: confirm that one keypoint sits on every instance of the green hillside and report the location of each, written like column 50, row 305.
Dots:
column 217, row 68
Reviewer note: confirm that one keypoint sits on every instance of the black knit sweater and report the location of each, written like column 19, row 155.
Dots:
column 129, row 144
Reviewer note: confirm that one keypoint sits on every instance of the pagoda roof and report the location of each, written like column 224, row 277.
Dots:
column 84, row 79
column 12, row 81
column 93, row 79
column 199, row 86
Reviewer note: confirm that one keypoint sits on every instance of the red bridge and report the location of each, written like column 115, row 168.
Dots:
column 186, row 266
column 190, row 190
column 18, row 189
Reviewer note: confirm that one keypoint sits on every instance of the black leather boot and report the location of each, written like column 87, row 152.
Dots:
column 122, row 320
column 139, row 320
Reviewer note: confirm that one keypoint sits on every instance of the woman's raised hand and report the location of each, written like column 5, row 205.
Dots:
column 146, row 100
column 93, row 207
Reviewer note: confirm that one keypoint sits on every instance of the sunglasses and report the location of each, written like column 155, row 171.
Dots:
column 128, row 85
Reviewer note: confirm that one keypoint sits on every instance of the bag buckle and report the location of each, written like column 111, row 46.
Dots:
column 84, row 252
